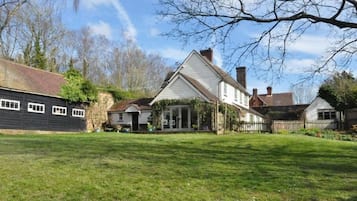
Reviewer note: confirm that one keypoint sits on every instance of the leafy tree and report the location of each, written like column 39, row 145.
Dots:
column 38, row 58
column 77, row 89
column 340, row 91
column 277, row 24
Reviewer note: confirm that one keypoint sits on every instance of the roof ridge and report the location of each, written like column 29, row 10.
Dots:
column 29, row 67
column 223, row 74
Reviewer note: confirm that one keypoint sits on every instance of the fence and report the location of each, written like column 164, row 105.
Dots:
column 253, row 127
column 297, row 125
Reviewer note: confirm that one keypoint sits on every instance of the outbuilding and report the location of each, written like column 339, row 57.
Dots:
column 30, row 101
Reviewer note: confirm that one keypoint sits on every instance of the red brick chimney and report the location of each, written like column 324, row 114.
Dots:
column 208, row 54
column 241, row 76
column 269, row 91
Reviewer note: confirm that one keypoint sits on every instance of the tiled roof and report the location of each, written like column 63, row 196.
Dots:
column 200, row 88
column 27, row 79
column 140, row 104
column 225, row 76
column 278, row 99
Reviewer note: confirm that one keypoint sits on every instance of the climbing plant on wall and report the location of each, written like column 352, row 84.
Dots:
column 201, row 107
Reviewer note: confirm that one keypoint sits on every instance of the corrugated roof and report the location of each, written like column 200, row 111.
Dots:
column 27, row 79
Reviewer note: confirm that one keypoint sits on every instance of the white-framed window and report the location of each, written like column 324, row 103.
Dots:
column 36, row 107
column 7, row 104
column 59, row 110
column 78, row 112
column 324, row 114
column 236, row 95
column 241, row 98
column 121, row 118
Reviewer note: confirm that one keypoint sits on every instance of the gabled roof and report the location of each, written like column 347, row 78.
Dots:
column 140, row 104
column 224, row 76
column 19, row 77
column 220, row 73
column 193, row 84
column 277, row 99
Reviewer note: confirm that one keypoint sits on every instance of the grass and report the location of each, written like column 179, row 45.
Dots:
column 176, row 167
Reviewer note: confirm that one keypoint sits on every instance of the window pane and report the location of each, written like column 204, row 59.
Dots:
column 333, row 115
column 320, row 116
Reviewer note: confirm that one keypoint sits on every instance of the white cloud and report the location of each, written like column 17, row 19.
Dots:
column 101, row 28
column 297, row 66
column 217, row 58
column 91, row 4
column 315, row 45
column 129, row 29
column 154, row 32
column 176, row 55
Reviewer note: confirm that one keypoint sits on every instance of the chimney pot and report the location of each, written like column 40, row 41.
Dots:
column 208, row 53
column 241, row 76
column 255, row 92
column 269, row 90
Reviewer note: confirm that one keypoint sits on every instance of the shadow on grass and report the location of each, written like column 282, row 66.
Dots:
column 279, row 165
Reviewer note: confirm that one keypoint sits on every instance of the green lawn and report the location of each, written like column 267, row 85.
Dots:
column 176, row 167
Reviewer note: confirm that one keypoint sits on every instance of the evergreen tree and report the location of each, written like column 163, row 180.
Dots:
column 340, row 91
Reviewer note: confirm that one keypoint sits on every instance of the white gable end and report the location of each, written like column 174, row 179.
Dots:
column 198, row 69
column 312, row 109
column 178, row 89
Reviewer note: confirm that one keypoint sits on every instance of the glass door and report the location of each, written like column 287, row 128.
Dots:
column 184, row 118
column 175, row 118
column 166, row 119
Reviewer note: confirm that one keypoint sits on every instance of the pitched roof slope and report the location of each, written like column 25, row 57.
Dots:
column 277, row 99
column 141, row 104
column 224, row 76
column 27, row 79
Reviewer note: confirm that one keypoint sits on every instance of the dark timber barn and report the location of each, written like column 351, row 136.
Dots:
column 29, row 100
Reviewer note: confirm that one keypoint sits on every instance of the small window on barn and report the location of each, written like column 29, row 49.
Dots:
column 36, row 108
column 58, row 110
column 121, row 117
column 78, row 113
column 326, row 114
column 7, row 104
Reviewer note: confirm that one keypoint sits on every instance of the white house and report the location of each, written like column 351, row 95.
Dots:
column 320, row 114
column 198, row 78
column 133, row 114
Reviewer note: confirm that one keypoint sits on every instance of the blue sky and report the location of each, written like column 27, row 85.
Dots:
column 136, row 20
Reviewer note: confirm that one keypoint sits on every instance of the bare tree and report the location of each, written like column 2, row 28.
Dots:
column 278, row 24
column 135, row 70
column 42, row 30
column 304, row 92
column 8, row 9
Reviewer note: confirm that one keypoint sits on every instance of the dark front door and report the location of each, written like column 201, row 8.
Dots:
column 135, row 121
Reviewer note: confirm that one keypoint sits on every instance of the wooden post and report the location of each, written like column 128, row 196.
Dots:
column 225, row 118
column 216, row 117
